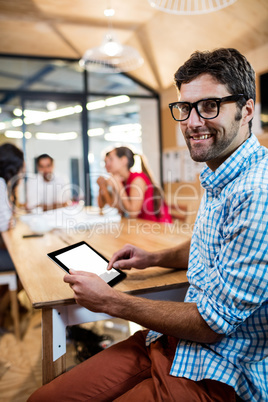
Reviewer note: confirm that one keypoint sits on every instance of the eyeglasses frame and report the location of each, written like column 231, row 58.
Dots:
column 230, row 98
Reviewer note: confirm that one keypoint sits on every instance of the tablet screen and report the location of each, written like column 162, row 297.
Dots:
column 82, row 257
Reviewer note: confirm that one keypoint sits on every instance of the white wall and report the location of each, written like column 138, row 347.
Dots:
column 150, row 134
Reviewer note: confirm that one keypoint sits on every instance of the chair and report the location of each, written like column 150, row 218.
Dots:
column 9, row 278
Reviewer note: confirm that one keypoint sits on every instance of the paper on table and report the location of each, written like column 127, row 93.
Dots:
column 69, row 218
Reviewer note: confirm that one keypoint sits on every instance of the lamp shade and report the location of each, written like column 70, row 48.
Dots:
column 111, row 56
column 190, row 7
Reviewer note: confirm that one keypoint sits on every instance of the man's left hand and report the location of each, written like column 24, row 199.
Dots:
column 90, row 291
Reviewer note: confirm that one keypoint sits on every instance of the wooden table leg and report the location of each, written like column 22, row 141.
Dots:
column 50, row 369
column 15, row 312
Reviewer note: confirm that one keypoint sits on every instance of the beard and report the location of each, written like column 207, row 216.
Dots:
column 48, row 176
column 217, row 145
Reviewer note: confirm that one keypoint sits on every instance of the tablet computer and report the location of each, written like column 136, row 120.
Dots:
column 82, row 257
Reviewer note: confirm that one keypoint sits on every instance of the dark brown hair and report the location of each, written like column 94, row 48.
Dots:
column 228, row 66
column 43, row 156
column 11, row 162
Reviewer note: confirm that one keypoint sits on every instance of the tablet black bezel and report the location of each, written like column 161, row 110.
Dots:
column 53, row 257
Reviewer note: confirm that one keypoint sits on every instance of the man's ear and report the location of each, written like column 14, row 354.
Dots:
column 248, row 112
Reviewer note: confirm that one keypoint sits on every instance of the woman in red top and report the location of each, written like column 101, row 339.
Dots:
column 134, row 194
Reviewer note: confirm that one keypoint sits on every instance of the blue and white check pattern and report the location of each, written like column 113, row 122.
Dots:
column 228, row 276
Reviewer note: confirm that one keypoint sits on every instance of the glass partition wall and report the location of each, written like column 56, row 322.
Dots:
column 52, row 106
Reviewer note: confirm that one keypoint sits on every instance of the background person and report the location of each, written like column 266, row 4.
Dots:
column 134, row 193
column 105, row 196
column 48, row 190
column 11, row 165
column 214, row 345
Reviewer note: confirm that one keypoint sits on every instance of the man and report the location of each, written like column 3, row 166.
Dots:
column 47, row 190
column 214, row 345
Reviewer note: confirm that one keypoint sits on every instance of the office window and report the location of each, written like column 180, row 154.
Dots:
column 40, row 75
column 52, row 106
column 114, row 84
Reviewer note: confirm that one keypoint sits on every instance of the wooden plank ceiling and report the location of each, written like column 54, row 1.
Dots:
column 66, row 28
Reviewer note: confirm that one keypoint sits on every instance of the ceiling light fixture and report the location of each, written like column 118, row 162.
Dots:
column 51, row 105
column 114, row 100
column 130, row 132
column 121, row 137
column 17, row 134
column 99, row 104
column 94, row 132
column 56, row 137
column 190, row 7
column 125, row 128
column 16, row 122
column 117, row 100
column 111, row 55
column 17, row 112
column 109, row 12
column 37, row 116
column 91, row 157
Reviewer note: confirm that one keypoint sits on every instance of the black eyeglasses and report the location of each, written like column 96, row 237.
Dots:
column 206, row 108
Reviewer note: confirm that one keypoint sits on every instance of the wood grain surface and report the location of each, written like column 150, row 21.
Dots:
column 42, row 279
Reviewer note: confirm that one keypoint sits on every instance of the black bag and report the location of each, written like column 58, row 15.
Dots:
column 86, row 342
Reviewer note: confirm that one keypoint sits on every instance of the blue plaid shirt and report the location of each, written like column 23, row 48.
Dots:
column 228, row 276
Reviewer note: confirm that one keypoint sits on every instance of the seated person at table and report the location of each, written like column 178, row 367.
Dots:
column 214, row 345
column 47, row 189
column 11, row 165
column 134, row 194
column 105, row 196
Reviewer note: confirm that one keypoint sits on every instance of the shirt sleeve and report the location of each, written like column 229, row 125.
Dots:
column 5, row 210
column 34, row 193
column 66, row 190
column 237, row 284
column 61, row 189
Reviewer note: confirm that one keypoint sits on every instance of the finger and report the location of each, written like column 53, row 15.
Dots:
column 125, row 252
column 123, row 264
column 117, row 256
column 69, row 279
column 75, row 272
column 81, row 273
column 111, row 263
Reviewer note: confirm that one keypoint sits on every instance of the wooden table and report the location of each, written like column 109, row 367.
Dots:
column 43, row 280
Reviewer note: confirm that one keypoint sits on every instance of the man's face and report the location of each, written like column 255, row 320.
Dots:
column 211, row 141
column 45, row 168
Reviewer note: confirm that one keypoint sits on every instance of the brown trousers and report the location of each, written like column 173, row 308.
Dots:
column 129, row 372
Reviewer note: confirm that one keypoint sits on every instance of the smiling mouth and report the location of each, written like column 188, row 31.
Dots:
column 201, row 137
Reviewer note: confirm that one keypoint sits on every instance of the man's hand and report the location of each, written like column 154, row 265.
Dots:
column 130, row 257
column 178, row 319
column 90, row 291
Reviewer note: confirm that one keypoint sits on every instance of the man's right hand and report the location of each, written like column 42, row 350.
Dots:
column 130, row 257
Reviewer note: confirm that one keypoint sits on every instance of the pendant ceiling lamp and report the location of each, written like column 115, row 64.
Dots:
column 190, row 7
column 111, row 55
